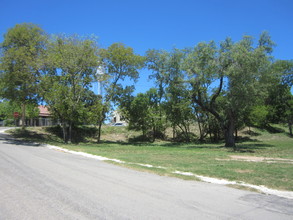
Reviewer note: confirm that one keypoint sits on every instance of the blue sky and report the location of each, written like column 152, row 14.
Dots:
column 157, row 24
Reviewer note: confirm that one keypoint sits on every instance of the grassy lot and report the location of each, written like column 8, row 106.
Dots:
column 271, row 154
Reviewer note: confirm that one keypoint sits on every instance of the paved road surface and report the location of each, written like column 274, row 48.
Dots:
column 39, row 183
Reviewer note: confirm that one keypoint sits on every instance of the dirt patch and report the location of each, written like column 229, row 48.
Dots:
column 114, row 137
column 261, row 159
column 247, row 158
column 243, row 171
column 258, row 159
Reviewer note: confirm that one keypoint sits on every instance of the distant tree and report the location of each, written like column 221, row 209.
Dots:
column 139, row 114
column 71, row 65
column 22, row 51
column 7, row 110
column 143, row 114
column 258, row 116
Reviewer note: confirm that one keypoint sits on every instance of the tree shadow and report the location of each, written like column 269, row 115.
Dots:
column 140, row 139
column 79, row 133
column 8, row 139
column 197, row 145
column 274, row 130
column 23, row 136
column 242, row 139
column 251, row 133
column 251, row 148
column 23, row 143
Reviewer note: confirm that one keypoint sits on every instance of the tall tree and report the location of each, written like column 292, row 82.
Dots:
column 279, row 100
column 72, row 61
column 22, row 50
column 233, row 71
column 158, row 61
column 121, row 63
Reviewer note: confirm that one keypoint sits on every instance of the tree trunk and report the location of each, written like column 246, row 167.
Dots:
column 23, row 116
column 99, row 131
column 154, row 134
column 70, row 133
column 229, row 135
column 201, row 136
column 174, row 132
column 290, row 128
column 65, row 137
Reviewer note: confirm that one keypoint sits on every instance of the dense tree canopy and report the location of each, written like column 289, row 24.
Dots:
column 232, row 73
column 218, row 87
column 22, row 59
column 71, row 68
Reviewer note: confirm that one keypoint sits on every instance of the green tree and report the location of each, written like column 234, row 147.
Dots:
column 234, row 71
column 22, row 51
column 32, row 112
column 258, row 116
column 139, row 114
column 7, row 110
column 72, row 61
column 144, row 114
column 279, row 100
column 178, row 106
column 158, row 61
column 289, row 115
column 95, row 111
column 121, row 63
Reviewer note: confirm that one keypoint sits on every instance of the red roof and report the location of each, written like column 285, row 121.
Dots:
column 43, row 110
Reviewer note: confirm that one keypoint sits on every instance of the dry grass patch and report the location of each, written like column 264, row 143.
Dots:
column 261, row 159
column 243, row 171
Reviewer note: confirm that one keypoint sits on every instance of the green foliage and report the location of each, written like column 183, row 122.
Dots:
column 120, row 62
column 223, row 86
column 158, row 63
column 282, row 72
column 22, row 58
column 32, row 110
column 139, row 114
column 258, row 116
column 7, row 108
column 72, row 62
column 233, row 71
column 279, row 100
column 144, row 114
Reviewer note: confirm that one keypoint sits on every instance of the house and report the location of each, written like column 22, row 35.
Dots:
column 117, row 118
column 44, row 118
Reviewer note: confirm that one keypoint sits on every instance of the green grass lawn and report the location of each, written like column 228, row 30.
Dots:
column 211, row 160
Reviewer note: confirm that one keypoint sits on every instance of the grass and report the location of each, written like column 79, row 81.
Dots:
column 211, row 160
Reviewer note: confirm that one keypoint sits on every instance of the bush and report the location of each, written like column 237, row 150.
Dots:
column 185, row 137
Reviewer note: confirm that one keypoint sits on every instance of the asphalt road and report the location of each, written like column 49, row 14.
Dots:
column 39, row 183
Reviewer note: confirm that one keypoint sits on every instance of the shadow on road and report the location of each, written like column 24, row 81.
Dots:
column 8, row 139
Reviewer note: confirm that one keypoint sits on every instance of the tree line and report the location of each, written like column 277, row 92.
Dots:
column 219, row 87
